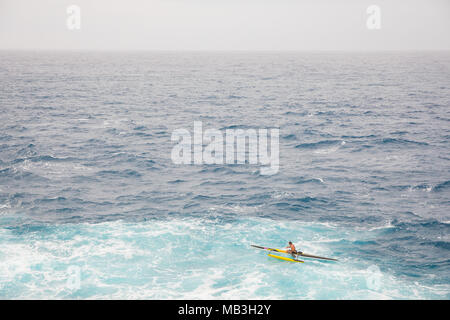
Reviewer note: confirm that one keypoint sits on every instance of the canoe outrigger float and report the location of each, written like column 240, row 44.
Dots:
column 289, row 259
column 284, row 258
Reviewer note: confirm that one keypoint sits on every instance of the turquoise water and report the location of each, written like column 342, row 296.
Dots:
column 92, row 207
column 191, row 258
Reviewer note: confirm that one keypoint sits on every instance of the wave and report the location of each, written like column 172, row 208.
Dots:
column 289, row 137
column 176, row 181
column 44, row 158
column 304, row 180
column 442, row 186
column 402, row 142
column 320, row 144
column 28, row 151
column 119, row 173
column 428, row 187
column 440, row 244
column 18, row 174
column 236, row 126
column 292, row 113
column 322, row 147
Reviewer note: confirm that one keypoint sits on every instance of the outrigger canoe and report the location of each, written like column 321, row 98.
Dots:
column 298, row 254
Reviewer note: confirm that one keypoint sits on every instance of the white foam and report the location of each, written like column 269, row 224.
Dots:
column 188, row 258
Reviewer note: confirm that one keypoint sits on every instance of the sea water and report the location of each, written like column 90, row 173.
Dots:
column 92, row 207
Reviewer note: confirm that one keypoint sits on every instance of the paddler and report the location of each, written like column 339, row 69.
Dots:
column 292, row 250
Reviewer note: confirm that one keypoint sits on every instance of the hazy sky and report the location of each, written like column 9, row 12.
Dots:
column 225, row 25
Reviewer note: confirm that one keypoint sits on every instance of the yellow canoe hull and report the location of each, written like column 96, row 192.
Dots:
column 279, row 250
column 284, row 258
column 299, row 254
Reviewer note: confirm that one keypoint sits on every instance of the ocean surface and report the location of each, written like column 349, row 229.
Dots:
column 92, row 206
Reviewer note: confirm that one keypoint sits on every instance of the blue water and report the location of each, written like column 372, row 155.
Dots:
column 87, row 182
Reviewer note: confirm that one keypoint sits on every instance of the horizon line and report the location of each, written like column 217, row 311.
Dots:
column 226, row 50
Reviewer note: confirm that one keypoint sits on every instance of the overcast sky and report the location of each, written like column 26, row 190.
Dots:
column 225, row 25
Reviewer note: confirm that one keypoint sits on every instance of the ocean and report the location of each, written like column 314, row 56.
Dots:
column 93, row 207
